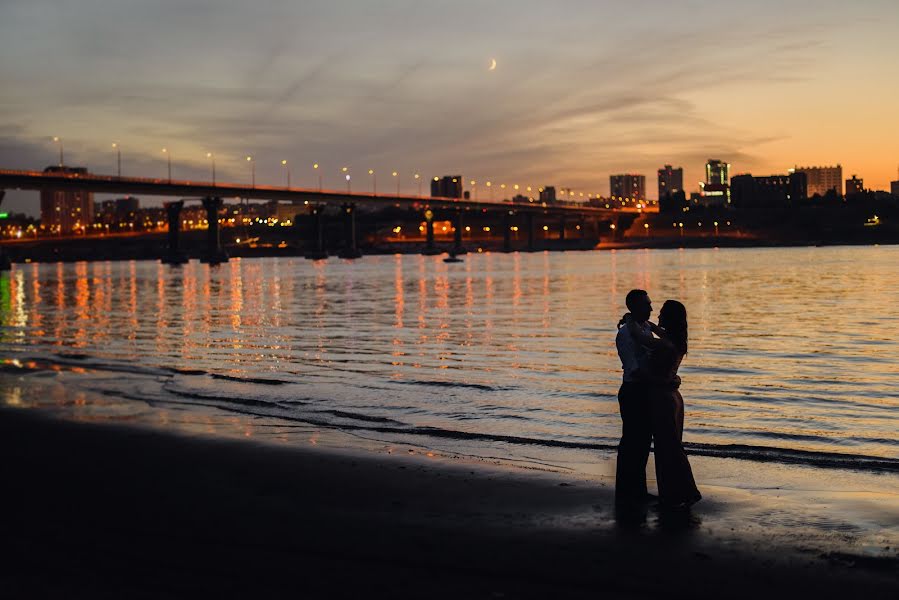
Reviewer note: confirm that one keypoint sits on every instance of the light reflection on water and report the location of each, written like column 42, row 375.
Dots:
column 789, row 348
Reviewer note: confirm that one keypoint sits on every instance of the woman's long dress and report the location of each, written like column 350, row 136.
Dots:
column 673, row 472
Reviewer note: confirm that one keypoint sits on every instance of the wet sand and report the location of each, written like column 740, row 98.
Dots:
column 102, row 510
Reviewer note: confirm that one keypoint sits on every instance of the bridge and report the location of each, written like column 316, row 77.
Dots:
column 315, row 201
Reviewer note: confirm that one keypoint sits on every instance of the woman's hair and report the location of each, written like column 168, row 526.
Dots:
column 674, row 317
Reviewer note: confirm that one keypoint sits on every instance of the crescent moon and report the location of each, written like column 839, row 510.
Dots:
column 492, row 65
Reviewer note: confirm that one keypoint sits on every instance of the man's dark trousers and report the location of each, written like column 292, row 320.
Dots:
column 636, row 437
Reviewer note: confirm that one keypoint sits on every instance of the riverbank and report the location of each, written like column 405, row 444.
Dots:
column 152, row 247
column 105, row 510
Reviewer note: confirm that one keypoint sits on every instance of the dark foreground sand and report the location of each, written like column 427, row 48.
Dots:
column 107, row 511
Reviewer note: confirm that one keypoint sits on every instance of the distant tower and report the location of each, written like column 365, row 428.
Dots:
column 717, row 172
column 716, row 187
column 671, row 180
column 448, row 186
column 628, row 186
column 65, row 211
column 855, row 186
column 822, row 179
column 548, row 194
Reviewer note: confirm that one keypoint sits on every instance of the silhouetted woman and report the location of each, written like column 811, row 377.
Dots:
column 677, row 488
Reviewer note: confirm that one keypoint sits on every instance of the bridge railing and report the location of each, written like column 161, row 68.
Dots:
column 115, row 178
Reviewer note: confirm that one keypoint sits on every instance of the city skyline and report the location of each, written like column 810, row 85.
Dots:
column 581, row 92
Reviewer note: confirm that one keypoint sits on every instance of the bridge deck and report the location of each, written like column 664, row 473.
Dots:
column 110, row 184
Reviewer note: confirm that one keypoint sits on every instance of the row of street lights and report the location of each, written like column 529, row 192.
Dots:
column 318, row 171
column 394, row 174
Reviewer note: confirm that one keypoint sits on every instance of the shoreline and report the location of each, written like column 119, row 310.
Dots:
column 48, row 251
column 65, row 396
column 181, row 515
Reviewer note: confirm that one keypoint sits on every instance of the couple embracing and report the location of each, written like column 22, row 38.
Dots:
column 652, row 408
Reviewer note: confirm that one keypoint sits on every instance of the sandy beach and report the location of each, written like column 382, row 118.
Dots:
column 103, row 510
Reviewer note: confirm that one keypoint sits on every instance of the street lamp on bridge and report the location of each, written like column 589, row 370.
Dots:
column 211, row 158
column 286, row 166
column 168, row 157
column 418, row 179
column 374, row 182
column 397, row 175
column 252, row 170
column 118, row 151
column 59, row 142
column 315, row 168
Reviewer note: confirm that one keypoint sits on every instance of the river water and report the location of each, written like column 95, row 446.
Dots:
column 794, row 352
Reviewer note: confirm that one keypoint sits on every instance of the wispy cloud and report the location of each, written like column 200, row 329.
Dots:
column 583, row 89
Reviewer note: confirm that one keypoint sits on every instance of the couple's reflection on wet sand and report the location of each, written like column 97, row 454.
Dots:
column 639, row 517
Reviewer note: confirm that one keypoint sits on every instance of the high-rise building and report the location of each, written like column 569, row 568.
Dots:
column 822, row 179
column 448, row 186
column 628, row 186
column 671, row 180
column 117, row 212
column 715, row 190
column 717, row 172
column 65, row 211
column 548, row 194
column 744, row 190
column 715, row 194
column 772, row 191
column 121, row 207
column 673, row 202
column 894, row 188
column 855, row 186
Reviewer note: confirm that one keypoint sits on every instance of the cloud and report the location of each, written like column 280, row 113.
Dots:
column 583, row 88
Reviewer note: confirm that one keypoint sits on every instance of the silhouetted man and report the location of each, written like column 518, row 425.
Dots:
column 633, row 402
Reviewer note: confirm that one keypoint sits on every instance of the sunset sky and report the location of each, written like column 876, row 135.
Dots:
column 582, row 89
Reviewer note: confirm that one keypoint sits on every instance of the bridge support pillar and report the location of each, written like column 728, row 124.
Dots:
column 5, row 262
column 316, row 249
column 529, row 218
column 430, row 247
column 562, row 229
column 215, row 254
column 458, row 248
column 173, row 254
column 350, row 249
column 507, row 231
